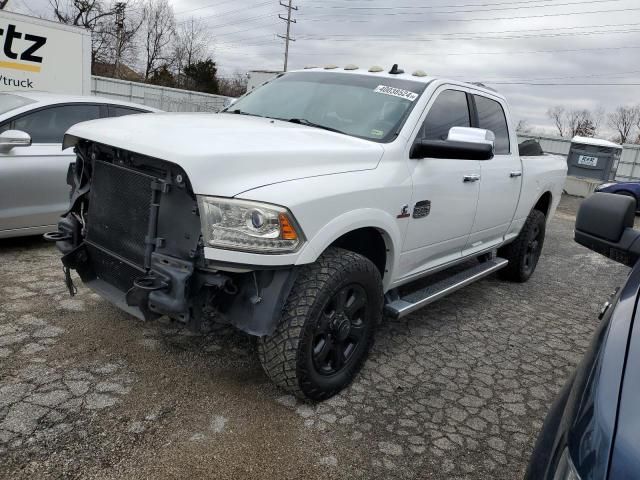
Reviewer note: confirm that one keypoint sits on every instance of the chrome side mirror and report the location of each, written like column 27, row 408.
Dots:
column 14, row 138
column 471, row 135
column 462, row 143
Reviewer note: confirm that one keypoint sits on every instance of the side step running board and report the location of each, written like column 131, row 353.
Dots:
column 402, row 306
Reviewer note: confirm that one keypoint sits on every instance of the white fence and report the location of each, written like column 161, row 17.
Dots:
column 628, row 167
column 167, row 99
column 556, row 145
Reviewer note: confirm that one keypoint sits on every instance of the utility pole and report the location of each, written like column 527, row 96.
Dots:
column 119, row 9
column 287, row 38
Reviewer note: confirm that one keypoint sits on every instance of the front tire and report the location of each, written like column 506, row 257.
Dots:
column 327, row 326
column 524, row 252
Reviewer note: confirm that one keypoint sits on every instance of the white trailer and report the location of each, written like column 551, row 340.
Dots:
column 43, row 55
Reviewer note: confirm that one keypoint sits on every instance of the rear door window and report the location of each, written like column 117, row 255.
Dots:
column 450, row 109
column 50, row 124
column 117, row 111
column 491, row 117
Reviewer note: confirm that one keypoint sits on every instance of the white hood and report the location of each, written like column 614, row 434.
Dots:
column 226, row 154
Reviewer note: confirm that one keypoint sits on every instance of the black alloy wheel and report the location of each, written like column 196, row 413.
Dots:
column 340, row 330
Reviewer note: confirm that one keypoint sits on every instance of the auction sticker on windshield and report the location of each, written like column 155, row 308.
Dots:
column 396, row 92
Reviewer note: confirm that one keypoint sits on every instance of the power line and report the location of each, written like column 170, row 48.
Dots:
column 397, row 7
column 457, row 35
column 510, row 37
column 311, row 18
column 206, row 6
column 561, row 77
column 245, row 20
column 29, row 9
column 392, row 38
column 246, row 41
column 430, row 7
column 422, row 36
column 251, row 29
column 533, row 84
column 516, row 52
column 227, row 12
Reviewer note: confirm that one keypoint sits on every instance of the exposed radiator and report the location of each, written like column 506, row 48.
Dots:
column 119, row 209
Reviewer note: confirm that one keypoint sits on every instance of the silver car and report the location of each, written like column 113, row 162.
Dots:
column 33, row 166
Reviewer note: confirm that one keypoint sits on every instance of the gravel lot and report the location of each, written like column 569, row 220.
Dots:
column 458, row 390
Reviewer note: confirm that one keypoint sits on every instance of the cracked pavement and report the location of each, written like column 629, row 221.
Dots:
column 458, row 390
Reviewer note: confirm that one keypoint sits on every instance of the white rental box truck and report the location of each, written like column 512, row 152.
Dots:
column 38, row 54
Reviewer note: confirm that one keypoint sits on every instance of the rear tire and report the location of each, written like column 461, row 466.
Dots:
column 327, row 326
column 524, row 252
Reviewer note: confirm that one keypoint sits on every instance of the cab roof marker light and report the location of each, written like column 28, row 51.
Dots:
column 330, row 67
column 376, row 69
column 351, row 67
column 419, row 73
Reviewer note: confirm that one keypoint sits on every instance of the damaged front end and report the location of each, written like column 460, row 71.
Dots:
column 133, row 235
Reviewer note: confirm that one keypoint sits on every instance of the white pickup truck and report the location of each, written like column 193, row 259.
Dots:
column 306, row 210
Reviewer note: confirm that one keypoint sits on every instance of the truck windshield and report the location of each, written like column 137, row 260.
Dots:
column 364, row 106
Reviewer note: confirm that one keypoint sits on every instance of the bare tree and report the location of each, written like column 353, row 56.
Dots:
column 233, row 86
column 580, row 122
column 83, row 13
column 94, row 15
column 599, row 116
column 573, row 118
column 623, row 120
column 192, row 44
column 523, row 127
column 158, row 29
column 123, row 35
column 557, row 114
column 575, row 122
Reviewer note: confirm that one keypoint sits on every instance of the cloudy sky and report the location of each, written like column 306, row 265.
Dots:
column 539, row 53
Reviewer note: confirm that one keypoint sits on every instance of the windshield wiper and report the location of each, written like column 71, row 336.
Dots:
column 240, row 112
column 307, row 123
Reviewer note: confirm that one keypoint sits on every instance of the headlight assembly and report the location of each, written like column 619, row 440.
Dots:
column 248, row 226
column 566, row 470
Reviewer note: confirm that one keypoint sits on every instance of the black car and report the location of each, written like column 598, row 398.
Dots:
column 592, row 431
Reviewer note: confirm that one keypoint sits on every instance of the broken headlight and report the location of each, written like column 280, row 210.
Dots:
column 248, row 226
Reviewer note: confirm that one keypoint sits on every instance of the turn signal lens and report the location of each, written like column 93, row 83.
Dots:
column 287, row 232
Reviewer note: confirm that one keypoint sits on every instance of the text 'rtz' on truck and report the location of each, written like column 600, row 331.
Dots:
column 306, row 210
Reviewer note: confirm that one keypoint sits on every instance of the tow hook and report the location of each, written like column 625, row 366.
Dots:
column 150, row 284
column 57, row 236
